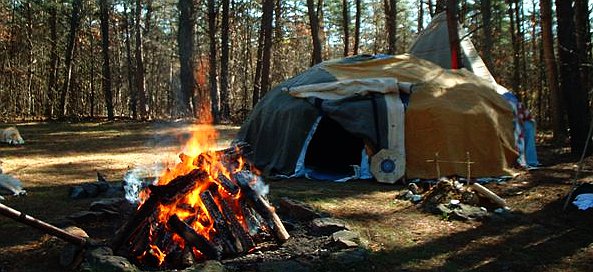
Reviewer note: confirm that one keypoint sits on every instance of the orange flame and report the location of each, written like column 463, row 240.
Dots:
column 198, row 154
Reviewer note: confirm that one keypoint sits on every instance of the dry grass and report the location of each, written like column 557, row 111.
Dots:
column 539, row 236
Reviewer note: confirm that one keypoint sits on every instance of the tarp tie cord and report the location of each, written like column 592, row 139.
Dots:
column 575, row 182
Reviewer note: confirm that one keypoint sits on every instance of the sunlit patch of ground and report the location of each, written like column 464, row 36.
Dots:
column 398, row 235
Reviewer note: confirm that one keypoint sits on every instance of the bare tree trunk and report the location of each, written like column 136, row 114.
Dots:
column 583, row 38
column 266, row 58
column 262, row 70
column 321, row 22
column 140, row 81
column 185, row 40
column 551, row 69
column 214, row 99
column 420, row 26
column 522, row 68
column 486, row 10
column 575, row 97
column 357, row 28
column 278, row 21
column 91, row 56
column 430, row 8
column 516, row 53
column 105, row 6
column 314, row 22
column 278, row 72
column 258, row 66
column 133, row 103
column 225, row 108
column 390, row 7
column 453, row 34
column 346, row 26
column 70, row 47
column 30, row 57
column 440, row 6
column 53, row 62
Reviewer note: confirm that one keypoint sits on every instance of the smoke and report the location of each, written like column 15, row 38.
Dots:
column 163, row 135
column 135, row 180
column 259, row 186
column 254, row 181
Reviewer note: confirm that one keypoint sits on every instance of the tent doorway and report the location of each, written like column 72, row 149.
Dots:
column 333, row 150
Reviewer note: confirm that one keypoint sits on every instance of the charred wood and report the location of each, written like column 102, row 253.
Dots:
column 176, row 186
column 220, row 225
column 262, row 206
column 236, row 228
column 253, row 223
column 193, row 239
column 139, row 240
column 228, row 185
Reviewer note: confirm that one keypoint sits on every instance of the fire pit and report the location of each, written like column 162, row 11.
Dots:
column 209, row 208
column 206, row 207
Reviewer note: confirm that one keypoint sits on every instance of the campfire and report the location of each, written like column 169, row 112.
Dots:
column 210, row 205
column 208, row 208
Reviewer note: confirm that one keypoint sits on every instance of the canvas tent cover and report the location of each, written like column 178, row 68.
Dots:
column 449, row 112
column 433, row 44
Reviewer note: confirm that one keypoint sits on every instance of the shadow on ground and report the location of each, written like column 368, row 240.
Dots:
column 399, row 236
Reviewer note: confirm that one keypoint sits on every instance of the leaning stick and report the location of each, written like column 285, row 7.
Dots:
column 42, row 226
column 489, row 194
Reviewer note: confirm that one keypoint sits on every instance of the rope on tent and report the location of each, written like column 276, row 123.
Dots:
column 575, row 182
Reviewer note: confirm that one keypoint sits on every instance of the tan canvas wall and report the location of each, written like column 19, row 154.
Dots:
column 450, row 112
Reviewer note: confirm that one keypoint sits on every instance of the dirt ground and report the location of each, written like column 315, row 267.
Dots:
column 537, row 235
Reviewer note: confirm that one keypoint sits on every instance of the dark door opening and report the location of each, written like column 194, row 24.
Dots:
column 333, row 150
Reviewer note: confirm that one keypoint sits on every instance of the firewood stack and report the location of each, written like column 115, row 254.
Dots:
column 212, row 212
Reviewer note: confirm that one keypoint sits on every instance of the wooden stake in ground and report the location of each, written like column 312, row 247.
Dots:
column 437, row 163
column 469, row 167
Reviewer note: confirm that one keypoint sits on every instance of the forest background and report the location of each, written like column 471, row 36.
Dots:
column 146, row 59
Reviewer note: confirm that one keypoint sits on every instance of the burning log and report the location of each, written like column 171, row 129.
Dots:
column 262, row 206
column 203, row 214
column 192, row 238
column 252, row 220
column 139, row 240
column 220, row 224
column 228, row 185
column 157, row 194
column 231, row 217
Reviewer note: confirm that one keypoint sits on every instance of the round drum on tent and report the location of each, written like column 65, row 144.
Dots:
column 388, row 165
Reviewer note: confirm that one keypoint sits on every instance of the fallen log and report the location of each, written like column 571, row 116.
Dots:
column 42, row 226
